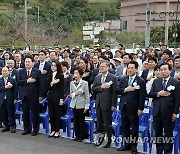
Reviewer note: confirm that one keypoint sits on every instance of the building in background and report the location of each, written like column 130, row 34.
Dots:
column 133, row 14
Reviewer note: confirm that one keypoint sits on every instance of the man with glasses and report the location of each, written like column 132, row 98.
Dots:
column 104, row 89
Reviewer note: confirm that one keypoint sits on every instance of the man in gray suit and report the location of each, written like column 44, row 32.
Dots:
column 104, row 89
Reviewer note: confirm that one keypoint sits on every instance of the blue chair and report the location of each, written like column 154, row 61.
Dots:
column 116, row 125
column 144, row 122
column 45, row 116
column 67, row 118
column 89, row 121
column 18, row 111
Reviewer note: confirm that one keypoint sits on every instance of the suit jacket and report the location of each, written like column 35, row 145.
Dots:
column 2, row 63
column 145, row 74
column 11, row 94
column 119, row 72
column 81, row 101
column 14, row 74
column 67, row 80
column 34, row 89
column 44, row 77
column 134, row 100
column 56, row 92
column 95, row 72
column 166, row 105
column 105, row 98
column 22, row 65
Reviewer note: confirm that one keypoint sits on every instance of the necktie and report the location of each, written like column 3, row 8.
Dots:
column 164, row 84
column 76, row 83
column 130, row 81
column 28, row 74
column 18, row 65
column 103, row 78
column 5, row 82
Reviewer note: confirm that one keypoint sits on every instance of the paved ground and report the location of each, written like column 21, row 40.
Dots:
column 41, row 144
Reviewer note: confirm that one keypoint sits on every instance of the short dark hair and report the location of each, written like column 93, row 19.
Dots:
column 79, row 69
column 169, row 66
column 177, row 57
column 129, row 55
column 43, row 51
column 168, row 52
column 104, row 57
column 30, row 57
column 84, row 59
column 156, row 67
column 153, row 59
column 133, row 62
column 65, row 64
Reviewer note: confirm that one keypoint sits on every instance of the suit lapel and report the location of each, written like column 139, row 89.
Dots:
column 169, row 82
column 107, row 78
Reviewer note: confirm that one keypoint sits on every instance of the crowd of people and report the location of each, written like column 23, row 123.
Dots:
column 84, row 75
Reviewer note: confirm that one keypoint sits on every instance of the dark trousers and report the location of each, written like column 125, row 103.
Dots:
column 79, row 123
column 166, row 124
column 130, row 121
column 55, row 113
column 28, row 106
column 104, row 121
column 0, row 115
column 8, row 114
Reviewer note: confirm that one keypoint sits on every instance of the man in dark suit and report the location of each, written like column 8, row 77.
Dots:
column 1, row 63
column 19, row 63
column 8, row 97
column 132, row 89
column 148, row 74
column 12, row 71
column 108, row 52
column 165, row 92
column 30, row 92
column 44, row 67
column 104, row 89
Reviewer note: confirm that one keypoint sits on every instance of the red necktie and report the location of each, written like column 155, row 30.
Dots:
column 28, row 74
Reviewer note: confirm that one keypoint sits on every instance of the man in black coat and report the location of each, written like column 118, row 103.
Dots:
column 165, row 92
column 30, row 92
column 132, row 89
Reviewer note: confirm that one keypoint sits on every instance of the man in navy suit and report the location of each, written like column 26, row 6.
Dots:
column 44, row 67
column 165, row 92
column 132, row 89
column 30, row 92
column 8, row 98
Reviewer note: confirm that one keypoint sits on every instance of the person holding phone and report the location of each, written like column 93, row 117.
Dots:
column 79, row 92
column 55, row 97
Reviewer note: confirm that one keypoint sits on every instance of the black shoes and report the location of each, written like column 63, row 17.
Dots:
column 26, row 132
column 134, row 151
column 5, row 129
column 13, row 130
column 79, row 140
column 34, row 133
column 125, row 148
column 108, row 143
column 75, row 139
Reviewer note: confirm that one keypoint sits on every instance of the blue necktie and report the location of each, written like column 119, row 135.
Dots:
column 164, row 84
column 130, row 81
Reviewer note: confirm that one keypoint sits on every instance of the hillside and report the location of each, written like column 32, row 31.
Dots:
column 59, row 21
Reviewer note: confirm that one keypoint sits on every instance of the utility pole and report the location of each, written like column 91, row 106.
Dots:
column 167, row 22
column 25, row 15
column 147, row 31
column 38, row 14
column 175, row 30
